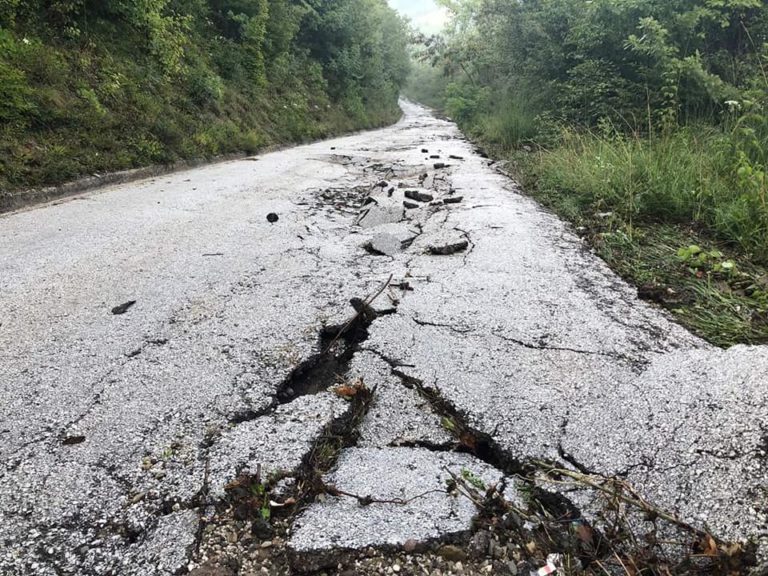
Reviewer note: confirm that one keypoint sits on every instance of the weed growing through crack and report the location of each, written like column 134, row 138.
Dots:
column 626, row 535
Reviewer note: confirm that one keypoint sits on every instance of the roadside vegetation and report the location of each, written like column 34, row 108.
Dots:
column 91, row 86
column 643, row 122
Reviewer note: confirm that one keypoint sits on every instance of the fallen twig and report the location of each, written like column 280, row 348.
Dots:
column 366, row 303
column 368, row 500
column 635, row 501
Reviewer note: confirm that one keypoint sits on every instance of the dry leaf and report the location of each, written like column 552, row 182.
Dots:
column 709, row 546
column 349, row 391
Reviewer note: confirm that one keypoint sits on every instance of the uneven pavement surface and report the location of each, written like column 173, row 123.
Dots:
column 123, row 427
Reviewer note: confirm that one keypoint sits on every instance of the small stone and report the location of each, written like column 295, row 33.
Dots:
column 452, row 553
column 481, row 543
column 207, row 570
column 410, row 205
column 396, row 568
column 453, row 200
column 410, row 545
column 138, row 498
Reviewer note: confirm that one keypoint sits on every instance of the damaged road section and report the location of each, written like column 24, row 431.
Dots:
column 416, row 365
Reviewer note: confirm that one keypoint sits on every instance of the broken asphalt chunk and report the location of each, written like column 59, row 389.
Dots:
column 251, row 446
column 410, row 205
column 419, row 508
column 419, row 196
column 73, row 440
column 169, row 547
column 123, row 308
column 446, row 249
column 453, row 200
column 440, row 166
column 377, row 215
column 383, row 245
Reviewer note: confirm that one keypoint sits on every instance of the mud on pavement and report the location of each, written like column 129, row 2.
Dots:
column 414, row 369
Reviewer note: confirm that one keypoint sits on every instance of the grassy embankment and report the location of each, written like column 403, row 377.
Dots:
column 98, row 88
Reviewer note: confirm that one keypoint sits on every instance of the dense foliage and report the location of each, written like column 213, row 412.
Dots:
column 628, row 117
column 613, row 59
column 93, row 85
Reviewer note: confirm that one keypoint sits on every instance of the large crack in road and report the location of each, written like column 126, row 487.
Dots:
column 132, row 442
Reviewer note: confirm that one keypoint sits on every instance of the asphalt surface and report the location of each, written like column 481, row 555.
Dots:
column 119, row 432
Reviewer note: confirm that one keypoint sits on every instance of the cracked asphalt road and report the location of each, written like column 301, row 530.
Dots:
column 111, row 426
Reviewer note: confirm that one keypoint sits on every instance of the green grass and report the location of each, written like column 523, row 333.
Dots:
column 689, row 176
column 512, row 124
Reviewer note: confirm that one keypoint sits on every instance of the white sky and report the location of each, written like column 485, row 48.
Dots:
column 424, row 14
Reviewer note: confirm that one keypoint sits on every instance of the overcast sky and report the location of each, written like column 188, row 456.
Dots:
column 424, row 14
